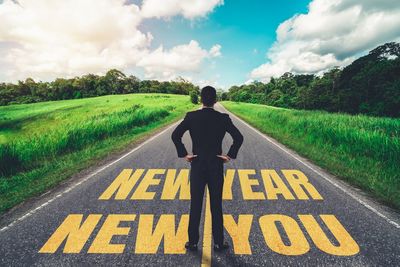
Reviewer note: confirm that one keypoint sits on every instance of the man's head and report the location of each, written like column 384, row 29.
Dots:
column 208, row 96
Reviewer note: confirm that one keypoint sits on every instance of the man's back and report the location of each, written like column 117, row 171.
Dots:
column 207, row 128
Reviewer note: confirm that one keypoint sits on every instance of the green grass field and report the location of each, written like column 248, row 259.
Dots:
column 42, row 144
column 362, row 150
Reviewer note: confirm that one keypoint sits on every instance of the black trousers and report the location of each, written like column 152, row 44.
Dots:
column 210, row 172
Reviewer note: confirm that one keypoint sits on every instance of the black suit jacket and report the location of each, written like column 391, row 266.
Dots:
column 207, row 128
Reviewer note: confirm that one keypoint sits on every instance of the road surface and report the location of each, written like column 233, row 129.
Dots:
column 279, row 210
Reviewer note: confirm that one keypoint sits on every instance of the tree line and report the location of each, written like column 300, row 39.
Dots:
column 370, row 85
column 90, row 85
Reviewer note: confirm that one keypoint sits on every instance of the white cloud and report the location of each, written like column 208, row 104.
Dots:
column 45, row 39
column 215, row 51
column 167, row 64
column 212, row 80
column 170, row 8
column 332, row 33
column 52, row 38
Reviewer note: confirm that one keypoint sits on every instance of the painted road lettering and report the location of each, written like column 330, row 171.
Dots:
column 283, row 234
column 298, row 244
column 148, row 241
column 141, row 184
column 300, row 185
column 239, row 232
column 247, row 183
column 110, row 228
column 347, row 245
column 75, row 231
column 122, row 185
column 149, row 179
column 176, row 182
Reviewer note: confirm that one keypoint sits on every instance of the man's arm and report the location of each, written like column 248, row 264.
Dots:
column 236, row 136
column 177, row 137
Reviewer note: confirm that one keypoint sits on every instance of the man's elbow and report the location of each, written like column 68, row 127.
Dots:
column 239, row 139
column 174, row 137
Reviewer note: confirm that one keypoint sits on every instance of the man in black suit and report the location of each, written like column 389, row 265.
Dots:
column 207, row 128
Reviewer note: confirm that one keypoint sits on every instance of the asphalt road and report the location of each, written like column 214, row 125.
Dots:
column 292, row 222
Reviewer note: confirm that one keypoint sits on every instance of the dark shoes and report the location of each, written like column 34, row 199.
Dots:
column 190, row 246
column 221, row 247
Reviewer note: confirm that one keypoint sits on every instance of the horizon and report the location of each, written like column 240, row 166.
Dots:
column 213, row 42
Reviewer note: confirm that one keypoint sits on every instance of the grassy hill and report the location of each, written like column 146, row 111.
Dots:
column 41, row 144
column 361, row 149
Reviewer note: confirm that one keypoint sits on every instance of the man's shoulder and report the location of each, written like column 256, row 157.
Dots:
column 224, row 115
column 200, row 112
column 190, row 113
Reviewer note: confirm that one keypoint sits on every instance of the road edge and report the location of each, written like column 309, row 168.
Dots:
column 34, row 204
column 390, row 215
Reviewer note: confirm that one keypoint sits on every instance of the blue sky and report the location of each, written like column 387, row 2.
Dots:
column 245, row 32
column 208, row 42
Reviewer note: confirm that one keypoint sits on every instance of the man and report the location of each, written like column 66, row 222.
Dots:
column 207, row 128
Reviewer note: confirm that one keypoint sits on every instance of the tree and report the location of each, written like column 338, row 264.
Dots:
column 115, row 80
column 90, row 85
column 194, row 97
column 132, row 84
column 370, row 85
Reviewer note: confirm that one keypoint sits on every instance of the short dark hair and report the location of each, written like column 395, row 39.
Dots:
column 208, row 96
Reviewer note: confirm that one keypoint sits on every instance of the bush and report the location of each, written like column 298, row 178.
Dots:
column 194, row 97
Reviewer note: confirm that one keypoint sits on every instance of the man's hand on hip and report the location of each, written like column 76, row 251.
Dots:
column 225, row 158
column 189, row 158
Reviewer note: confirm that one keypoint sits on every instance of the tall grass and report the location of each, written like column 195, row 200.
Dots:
column 364, row 150
column 42, row 144
column 27, row 153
